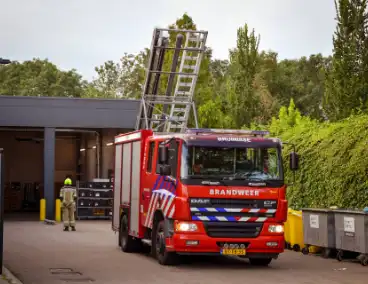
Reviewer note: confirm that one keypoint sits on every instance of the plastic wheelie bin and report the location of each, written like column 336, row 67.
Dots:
column 319, row 230
column 351, row 230
column 296, row 230
column 287, row 230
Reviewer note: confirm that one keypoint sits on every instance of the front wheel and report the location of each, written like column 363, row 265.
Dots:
column 159, row 246
column 340, row 255
column 260, row 261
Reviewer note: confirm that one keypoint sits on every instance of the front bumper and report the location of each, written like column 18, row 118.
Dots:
column 265, row 245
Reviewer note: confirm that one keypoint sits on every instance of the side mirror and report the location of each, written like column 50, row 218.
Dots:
column 294, row 161
column 165, row 170
column 163, row 154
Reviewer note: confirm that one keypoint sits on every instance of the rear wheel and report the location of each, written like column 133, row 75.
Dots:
column 296, row 247
column 127, row 243
column 260, row 261
column 305, row 250
column 159, row 246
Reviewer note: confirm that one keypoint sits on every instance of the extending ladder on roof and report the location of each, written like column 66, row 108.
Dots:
column 169, row 111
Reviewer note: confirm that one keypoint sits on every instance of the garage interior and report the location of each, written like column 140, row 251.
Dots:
column 83, row 154
column 74, row 135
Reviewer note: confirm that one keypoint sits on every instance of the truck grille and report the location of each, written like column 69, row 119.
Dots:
column 232, row 229
column 232, row 210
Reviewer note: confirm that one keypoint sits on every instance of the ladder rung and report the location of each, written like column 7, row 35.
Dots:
column 189, row 67
column 181, row 48
column 186, row 77
column 176, row 125
column 185, row 84
column 191, row 57
column 175, row 73
column 179, row 109
column 182, row 93
column 177, row 118
column 194, row 38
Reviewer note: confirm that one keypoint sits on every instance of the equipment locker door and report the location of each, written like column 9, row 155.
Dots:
column 149, row 181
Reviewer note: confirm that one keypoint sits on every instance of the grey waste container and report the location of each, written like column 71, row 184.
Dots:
column 319, row 230
column 351, row 229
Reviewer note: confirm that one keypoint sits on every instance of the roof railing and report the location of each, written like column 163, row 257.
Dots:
column 226, row 131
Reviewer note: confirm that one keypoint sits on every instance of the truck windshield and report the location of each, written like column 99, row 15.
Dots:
column 231, row 163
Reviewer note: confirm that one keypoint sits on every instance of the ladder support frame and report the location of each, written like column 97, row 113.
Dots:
column 179, row 102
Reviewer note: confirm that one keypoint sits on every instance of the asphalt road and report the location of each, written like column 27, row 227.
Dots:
column 31, row 249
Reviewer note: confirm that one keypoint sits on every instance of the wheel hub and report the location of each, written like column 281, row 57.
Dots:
column 160, row 243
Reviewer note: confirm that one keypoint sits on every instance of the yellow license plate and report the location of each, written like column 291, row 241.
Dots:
column 233, row 251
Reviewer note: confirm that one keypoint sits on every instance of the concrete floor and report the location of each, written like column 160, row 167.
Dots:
column 32, row 249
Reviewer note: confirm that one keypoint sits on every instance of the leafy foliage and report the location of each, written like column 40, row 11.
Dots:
column 333, row 169
column 39, row 78
column 347, row 84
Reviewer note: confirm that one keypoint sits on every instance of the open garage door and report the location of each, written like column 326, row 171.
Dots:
column 24, row 171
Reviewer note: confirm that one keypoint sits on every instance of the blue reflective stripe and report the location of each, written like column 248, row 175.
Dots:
column 220, row 209
column 230, row 218
column 156, row 183
column 212, row 218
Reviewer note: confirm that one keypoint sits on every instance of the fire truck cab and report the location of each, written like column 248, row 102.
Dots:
column 201, row 192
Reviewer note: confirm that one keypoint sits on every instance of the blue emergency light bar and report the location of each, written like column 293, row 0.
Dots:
column 227, row 131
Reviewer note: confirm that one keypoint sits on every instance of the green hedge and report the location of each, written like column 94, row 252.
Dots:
column 333, row 160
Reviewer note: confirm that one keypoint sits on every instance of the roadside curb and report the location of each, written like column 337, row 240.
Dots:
column 10, row 276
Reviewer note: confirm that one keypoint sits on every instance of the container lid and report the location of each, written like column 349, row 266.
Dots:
column 351, row 211
column 325, row 210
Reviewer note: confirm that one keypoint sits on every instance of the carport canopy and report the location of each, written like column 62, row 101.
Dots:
column 51, row 113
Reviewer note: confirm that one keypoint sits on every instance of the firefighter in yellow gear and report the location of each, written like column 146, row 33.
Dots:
column 68, row 194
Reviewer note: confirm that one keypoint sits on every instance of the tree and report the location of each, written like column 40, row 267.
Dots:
column 347, row 84
column 39, row 78
column 302, row 80
column 243, row 104
column 123, row 79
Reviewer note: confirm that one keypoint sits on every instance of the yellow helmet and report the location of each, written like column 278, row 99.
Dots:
column 67, row 181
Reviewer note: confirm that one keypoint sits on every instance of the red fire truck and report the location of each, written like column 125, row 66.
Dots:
column 200, row 192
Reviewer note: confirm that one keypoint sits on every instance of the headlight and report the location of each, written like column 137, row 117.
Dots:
column 276, row 229
column 186, row 227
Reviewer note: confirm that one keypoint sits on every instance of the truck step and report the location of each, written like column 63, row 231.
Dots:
column 147, row 242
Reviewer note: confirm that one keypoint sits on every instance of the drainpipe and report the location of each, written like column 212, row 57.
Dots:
column 65, row 130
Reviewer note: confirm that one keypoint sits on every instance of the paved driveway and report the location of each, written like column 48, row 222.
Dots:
column 32, row 249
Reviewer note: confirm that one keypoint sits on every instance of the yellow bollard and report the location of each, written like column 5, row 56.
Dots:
column 42, row 209
column 58, row 210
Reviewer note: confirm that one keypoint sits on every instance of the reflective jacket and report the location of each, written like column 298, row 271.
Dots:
column 68, row 194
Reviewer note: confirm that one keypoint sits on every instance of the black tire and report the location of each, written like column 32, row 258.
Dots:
column 296, row 247
column 127, row 243
column 260, row 261
column 339, row 255
column 364, row 261
column 305, row 251
column 326, row 253
column 158, row 246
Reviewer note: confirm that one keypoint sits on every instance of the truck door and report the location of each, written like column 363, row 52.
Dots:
column 173, row 157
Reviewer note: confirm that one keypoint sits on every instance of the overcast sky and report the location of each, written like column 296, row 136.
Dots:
column 81, row 34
